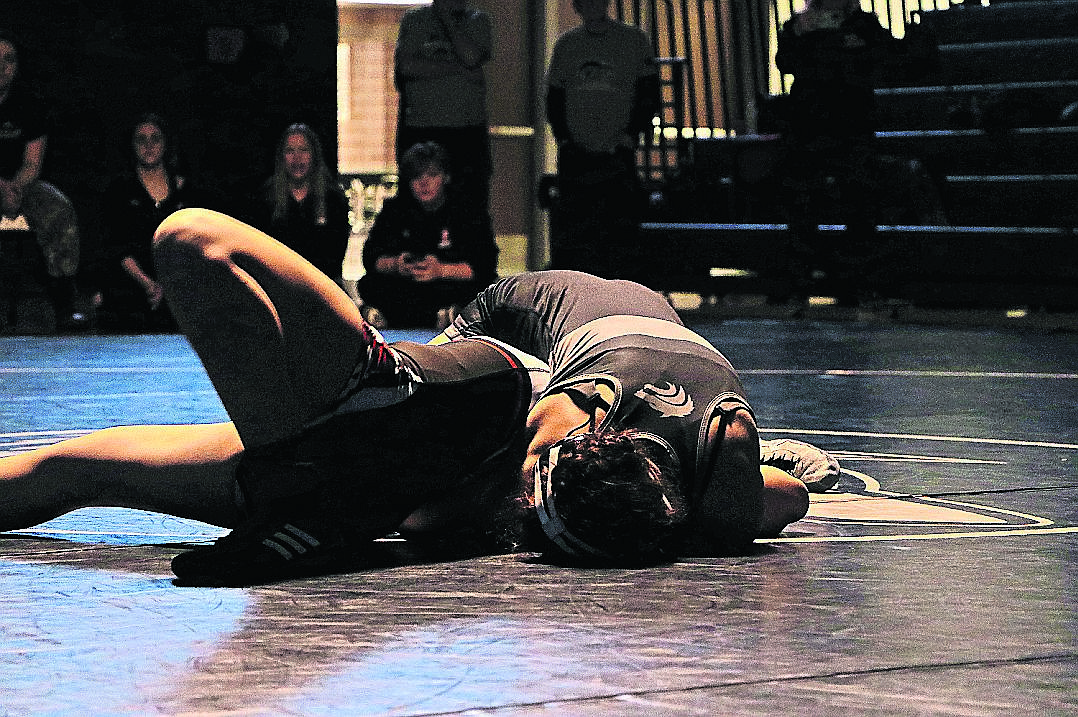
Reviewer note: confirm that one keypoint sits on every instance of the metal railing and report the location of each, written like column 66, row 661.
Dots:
column 721, row 55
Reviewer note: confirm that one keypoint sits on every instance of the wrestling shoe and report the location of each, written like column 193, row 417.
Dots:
column 816, row 468
column 264, row 551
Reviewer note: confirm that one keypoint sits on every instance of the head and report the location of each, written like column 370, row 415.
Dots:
column 611, row 497
column 149, row 142
column 299, row 153
column 9, row 61
column 425, row 171
column 299, row 162
column 592, row 11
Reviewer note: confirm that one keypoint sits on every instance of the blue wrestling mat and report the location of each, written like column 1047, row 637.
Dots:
column 938, row 578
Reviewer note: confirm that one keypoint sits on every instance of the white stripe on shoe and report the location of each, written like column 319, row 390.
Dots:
column 291, row 542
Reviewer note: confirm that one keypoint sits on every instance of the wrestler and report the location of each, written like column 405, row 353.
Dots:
column 622, row 362
column 336, row 438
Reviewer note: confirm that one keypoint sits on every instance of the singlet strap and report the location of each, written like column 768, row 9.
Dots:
column 724, row 407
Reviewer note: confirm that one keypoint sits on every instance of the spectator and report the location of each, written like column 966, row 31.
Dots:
column 602, row 94
column 429, row 250
column 301, row 205
column 438, row 71
column 129, row 297
column 23, row 194
column 834, row 51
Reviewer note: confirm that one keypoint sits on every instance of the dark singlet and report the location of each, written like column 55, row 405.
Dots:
column 414, row 422
column 666, row 379
column 438, row 412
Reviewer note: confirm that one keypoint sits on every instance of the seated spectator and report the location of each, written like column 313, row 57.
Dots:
column 429, row 251
column 26, row 198
column 128, row 296
column 301, row 205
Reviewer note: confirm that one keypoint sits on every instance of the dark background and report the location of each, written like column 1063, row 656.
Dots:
column 228, row 76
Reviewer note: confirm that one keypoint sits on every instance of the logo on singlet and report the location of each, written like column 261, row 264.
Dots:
column 671, row 401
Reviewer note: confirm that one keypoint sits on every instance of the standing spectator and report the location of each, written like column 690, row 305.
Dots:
column 301, row 205
column 602, row 93
column 834, row 51
column 438, row 71
column 429, row 251
column 129, row 297
column 45, row 209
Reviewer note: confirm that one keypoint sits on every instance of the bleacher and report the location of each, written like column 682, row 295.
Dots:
column 992, row 132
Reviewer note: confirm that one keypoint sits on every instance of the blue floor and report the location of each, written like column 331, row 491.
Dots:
column 939, row 579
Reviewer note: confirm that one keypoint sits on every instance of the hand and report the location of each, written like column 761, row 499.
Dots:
column 404, row 263
column 398, row 264
column 155, row 293
column 429, row 268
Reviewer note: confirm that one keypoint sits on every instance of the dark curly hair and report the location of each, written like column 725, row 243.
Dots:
column 618, row 498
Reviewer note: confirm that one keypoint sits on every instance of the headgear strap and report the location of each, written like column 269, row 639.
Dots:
column 553, row 526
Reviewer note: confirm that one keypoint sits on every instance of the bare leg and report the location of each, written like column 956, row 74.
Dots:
column 278, row 338
column 181, row 470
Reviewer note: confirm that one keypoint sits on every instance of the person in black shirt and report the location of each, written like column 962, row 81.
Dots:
column 24, row 196
column 629, row 379
column 835, row 51
column 429, row 251
column 301, row 205
column 128, row 295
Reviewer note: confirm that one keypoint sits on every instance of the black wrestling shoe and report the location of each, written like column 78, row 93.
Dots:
column 263, row 551
column 814, row 467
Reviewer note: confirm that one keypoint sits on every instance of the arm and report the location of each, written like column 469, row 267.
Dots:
column 339, row 228
column 645, row 104
column 473, row 254
column 154, row 291
column 467, row 47
column 382, row 252
column 11, row 190
column 125, row 230
column 33, row 159
column 556, row 96
column 554, row 417
column 431, row 268
column 791, row 48
column 645, row 91
column 727, row 515
column 555, row 113
column 469, row 34
column 475, row 245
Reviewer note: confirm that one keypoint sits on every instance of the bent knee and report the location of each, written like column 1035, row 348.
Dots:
column 185, row 236
column 182, row 227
